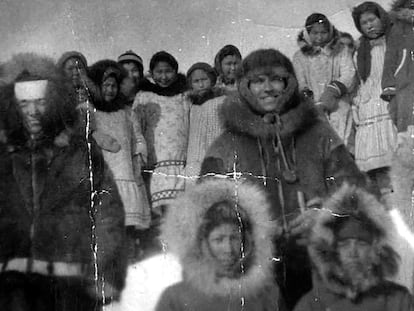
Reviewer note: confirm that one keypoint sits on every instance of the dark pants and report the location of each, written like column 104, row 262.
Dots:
column 35, row 292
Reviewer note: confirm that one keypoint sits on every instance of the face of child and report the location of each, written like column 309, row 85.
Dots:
column 371, row 25
column 74, row 71
column 230, row 66
column 346, row 43
column 109, row 89
column 224, row 243
column 200, row 81
column 319, row 34
column 133, row 71
column 354, row 254
column 163, row 74
column 267, row 86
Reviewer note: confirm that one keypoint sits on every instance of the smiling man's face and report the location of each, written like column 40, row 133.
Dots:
column 267, row 85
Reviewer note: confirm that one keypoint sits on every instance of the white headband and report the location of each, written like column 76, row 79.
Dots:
column 30, row 90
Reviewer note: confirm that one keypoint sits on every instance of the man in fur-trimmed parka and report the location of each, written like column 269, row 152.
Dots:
column 61, row 218
column 353, row 259
column 275, row 137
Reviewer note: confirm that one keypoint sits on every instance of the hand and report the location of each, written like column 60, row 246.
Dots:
column 302, row 225
column 330, row 99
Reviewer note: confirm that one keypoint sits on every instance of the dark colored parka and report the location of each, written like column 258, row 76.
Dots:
column 398, row 74
column 333, row 288
column 58, row 200
column 318, row 163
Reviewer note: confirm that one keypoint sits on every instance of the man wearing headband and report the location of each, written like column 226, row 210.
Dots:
column 61, row 228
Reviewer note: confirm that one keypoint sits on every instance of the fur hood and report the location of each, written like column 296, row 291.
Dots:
column 401, row 13
column 177, row 87
column 333, row 46
column 198, row 100
column 180, row 233
column 238, row 117
column 60, row 112
column 350, row 200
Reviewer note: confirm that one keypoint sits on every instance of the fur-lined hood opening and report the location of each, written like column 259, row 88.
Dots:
column 180, row 233
column 350, row 200
column 238, row 117
column 333, row 46
column 61, row 110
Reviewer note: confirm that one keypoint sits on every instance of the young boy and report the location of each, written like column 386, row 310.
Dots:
column 349, row 248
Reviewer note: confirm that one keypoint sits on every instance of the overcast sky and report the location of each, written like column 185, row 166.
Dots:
column 192, row 30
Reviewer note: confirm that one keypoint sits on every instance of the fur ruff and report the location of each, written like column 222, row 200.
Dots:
column 177, row 87
column 308, row 49
column 60, row 112
column 238, row 117
column 184, row 219
column 322, row 248
column 197, row 99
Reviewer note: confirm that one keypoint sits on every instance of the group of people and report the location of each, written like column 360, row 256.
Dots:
column 268, row 178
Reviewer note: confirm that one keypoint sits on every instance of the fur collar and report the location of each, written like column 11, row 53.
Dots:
column 332, row 47
column 197, row 99
column 238, row 117
column 180, row 233
column 322, row 249
column 177, row 87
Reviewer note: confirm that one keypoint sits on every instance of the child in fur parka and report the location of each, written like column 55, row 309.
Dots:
column 205, row 125
column 325, row 67
column 164, row 112
column 114, row 117
column 222, row 234
column 349, row 246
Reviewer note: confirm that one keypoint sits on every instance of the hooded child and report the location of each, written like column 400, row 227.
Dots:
column 61, row 215
column 221, row 232
column 114, row 117
column 134, row 66
column 74, row 67
column 162, row 106
column 376, row 135
column 398, row 74
column 275, row 137
column 227, row 64
column 325, row 67
column 349, row 246
column 205, row 126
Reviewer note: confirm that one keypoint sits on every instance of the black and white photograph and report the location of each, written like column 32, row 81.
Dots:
column 207, row 155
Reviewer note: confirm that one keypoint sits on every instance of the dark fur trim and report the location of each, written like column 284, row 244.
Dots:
column 399, row 4
column 197, row 99
column 177, row 87
column 298, row 115
column 310, row 50
column 350, row 200
column 403, row 15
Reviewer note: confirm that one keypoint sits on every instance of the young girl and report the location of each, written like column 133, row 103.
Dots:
column 222, row 234
column 376, row 135
column 323, row 66
column 227, row 65
column 163, row 108
column 114, row 117
column 205, row 125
